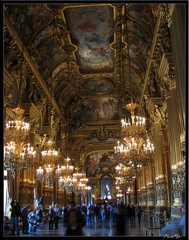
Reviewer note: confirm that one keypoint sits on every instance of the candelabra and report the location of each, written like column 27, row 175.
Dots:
column 17, row 154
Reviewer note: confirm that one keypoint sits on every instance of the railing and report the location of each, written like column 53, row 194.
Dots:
column 153, row 224
column 152, row 231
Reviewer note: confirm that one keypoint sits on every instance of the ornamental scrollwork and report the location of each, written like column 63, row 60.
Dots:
column 178, row 183
column 161, row 190
column 150, row 194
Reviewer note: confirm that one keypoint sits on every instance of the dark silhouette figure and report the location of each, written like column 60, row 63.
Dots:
column 15, row 213
column 24, row 216
column 119, row 212
column 129, row 213
column 133, row 212
column 139, row 213
column 51, row 216
column 74, row 221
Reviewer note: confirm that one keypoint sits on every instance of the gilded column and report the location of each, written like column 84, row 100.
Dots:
column 143, row 186
column 177, row 161
column 160, row 173
column 150, row 184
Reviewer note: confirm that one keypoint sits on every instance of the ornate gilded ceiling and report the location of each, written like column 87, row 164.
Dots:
column 88, row 59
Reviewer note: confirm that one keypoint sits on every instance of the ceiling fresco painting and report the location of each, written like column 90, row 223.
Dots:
column 99, row 109
column 91, row 29
column 100, row 85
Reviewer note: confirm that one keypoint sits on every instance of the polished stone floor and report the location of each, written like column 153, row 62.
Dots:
column 106, row 229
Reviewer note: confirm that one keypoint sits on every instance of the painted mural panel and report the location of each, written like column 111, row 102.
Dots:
column 95, row 160
column 99, row 109
column 99, row 86
column 92, row 26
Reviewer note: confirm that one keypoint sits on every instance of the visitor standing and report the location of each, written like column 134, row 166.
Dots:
column 15, row 214
column 56, row 215
column 24, row 217
column 139, row 213
column 120, row 220
column 51, row 216
column 74, row 221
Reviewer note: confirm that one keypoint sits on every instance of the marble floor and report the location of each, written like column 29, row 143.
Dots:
column 106, row 229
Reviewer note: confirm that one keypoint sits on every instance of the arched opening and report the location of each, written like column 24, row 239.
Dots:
column 106, row 187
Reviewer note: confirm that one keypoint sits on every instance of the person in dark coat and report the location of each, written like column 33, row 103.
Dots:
column 133, row 212
column 119, row 212
column 51, row 215
column 15, row 214
column 129, row 213
column 74, row 221
column 139, row 212
column 24, row 217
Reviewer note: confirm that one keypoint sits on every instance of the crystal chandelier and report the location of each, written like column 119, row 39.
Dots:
column 119, row 194
column 67, row 181
column 134, row 152
column 124, row 177
column 81, row 186
column 49, row 171
column 17, row 154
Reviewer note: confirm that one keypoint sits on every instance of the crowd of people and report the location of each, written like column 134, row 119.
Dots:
column 74, row 216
